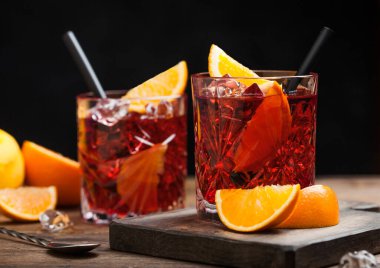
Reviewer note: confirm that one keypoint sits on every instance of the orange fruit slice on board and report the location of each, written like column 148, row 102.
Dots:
column 317, row 206
column 265, row 132
column 220, row 64
column 138, row 179
column 11, row 162
column 27, row 203
column 248, row 210
column 44, row 167
column 172, row 82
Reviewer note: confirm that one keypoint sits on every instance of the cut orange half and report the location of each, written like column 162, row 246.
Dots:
column 172, row 82
column 44, row 167
column 27, row 203
column 138, row 179
column 248, row 210
column 266, row 131
column 317, row 206
column 220, row 64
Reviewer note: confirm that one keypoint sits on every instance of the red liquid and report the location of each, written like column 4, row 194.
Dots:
column 219, row 125
column 104, row 149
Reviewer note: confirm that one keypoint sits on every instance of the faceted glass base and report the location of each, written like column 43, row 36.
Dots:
column 92, row 216
column 205, row 209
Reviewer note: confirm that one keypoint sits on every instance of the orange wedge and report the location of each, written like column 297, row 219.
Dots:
column 27, row 203
column 255, row 209
column 138, row 179
column 44, row 167
column 220, row 64
column 265, row 132
column 172, row 82
column 317, row 206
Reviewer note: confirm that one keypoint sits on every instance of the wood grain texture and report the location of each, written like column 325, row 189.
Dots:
column 19, row 254
column 181, row 235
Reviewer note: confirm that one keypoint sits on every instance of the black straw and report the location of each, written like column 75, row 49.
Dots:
column 306, row 65
column 83, row 64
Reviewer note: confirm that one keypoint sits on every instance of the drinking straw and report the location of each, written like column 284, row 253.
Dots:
column 307, row 63
column 84, row 65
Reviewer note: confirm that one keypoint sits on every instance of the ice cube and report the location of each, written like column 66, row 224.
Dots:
column 224, row 87
column 54, row 220
column 164, row 109
column 222, row 91
column 230, row 88
column 233, row 84
column 236, row 92
column 109, row 111
column 150, row 110
column 208, row 91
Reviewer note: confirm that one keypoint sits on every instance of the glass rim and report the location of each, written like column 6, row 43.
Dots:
column 121, row 92
column 206, row 75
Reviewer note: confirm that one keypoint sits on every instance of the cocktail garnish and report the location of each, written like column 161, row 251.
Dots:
column 220, row 64
column 265, row 132
column 171, row 82
column 139, row 176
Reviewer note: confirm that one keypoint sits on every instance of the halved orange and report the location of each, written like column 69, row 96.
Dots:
column 220, row 64
column 317, row 206
column 172, row 82
column 27, row 203
column 138, row 179
column 265, row 132
column 248, row 210
column 44, row 167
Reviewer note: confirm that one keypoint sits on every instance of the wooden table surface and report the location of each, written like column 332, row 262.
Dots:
column 19, row 254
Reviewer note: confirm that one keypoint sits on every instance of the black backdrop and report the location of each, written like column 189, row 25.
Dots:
column 131, row 41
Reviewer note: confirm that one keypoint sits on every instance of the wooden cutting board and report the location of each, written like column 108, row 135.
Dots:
column 181, row 235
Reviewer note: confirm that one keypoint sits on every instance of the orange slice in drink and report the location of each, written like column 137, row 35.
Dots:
column 138, row 179
column 220, row 64
column 317, row 206
column 44, row 167
column 270, row 125
column 172, row 82
column 248, row 210
column 27, row 203
column 265, row 132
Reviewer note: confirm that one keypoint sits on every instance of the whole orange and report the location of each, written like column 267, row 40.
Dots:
column 44, row 167
column 11, row 162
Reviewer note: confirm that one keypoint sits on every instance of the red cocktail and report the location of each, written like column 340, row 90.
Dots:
column 133, row 160
column 259, row 134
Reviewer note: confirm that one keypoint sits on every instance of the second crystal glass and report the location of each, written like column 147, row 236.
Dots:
column 132, row 153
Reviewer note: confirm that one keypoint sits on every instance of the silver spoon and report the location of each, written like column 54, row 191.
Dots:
column 55, row 246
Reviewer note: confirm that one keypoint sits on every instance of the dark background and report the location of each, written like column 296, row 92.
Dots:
column 130, row 41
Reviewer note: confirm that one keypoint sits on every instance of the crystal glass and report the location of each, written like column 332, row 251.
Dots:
column 252, row 131
column 132, row 153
